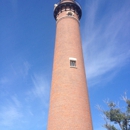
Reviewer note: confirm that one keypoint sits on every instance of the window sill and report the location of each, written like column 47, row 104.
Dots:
column 73, row 67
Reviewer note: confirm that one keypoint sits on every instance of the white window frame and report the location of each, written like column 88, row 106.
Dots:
column 73, row 59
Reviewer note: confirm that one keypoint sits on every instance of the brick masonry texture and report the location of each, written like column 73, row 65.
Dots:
column 69, row 102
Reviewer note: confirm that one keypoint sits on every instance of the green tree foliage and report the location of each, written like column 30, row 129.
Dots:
column 115, row 117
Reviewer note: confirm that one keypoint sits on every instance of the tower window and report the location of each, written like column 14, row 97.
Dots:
column 72, row 62
column 70, row 13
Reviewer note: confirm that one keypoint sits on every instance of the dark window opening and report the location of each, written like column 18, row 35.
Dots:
column 72, row 63
column 70, row 14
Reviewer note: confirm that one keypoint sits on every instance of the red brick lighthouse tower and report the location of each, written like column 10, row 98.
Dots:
column 69, row 101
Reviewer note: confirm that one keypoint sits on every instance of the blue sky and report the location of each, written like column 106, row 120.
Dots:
column 27, row 36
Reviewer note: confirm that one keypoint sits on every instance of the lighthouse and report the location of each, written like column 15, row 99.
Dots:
column 69, row 100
